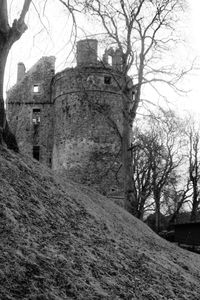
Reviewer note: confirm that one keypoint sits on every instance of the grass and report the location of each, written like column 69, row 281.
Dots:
column 60, row 240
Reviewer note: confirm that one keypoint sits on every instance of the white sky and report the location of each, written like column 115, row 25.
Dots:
column 36, row 43
column 192, row 26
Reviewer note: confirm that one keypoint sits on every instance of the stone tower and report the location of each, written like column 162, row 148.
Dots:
column 87, row 102
column 72, row 121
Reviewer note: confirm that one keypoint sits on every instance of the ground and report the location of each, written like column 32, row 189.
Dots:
column 60, row 240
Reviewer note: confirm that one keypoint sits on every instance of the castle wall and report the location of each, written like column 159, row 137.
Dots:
column 30, row 110
column 86, row 101
column 72, row 121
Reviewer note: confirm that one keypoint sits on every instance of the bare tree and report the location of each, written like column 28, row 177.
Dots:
column 158, row 158
column 177, row 198
column 142, row 170
column 194, row 170
column 9, row 34
column 167, row 157
column 142, row 30
column 185, row 189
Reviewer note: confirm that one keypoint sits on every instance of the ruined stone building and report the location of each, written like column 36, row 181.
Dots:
column 71, row 120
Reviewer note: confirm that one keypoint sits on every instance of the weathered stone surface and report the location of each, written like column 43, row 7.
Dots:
column 84, row 108
column 22, row 100
column 87, row 52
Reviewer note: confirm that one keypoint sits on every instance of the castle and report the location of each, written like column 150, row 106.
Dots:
column 71, row 120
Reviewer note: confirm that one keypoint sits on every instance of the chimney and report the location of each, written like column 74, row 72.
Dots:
column 20, row 71
column 87, row 52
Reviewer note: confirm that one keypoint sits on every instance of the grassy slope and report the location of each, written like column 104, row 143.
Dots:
column 64, row 241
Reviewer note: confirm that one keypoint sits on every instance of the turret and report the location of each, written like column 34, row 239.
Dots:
column 87, row 52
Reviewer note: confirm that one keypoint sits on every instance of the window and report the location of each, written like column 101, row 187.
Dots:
column 36, row 116
column 36, row 152
column 36, row 88
column 107, row 79
column 110, row 60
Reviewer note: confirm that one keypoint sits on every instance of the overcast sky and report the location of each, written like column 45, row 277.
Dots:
column 54, row 39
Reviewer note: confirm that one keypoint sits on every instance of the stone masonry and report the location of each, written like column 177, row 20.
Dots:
column 71, row 121
column 30, row 110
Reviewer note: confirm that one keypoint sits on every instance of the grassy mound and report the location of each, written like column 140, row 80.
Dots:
column 60, row 240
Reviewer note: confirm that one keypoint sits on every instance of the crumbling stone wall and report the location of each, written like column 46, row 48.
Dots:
column 33, row 93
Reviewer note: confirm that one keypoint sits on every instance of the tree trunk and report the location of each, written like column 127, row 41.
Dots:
column 3, row 58
column 173, row 219
column 140, row 211
column 5, row 134
column 157, row 216
column 130, row 202
column 157, row 210
column 8, row 36
column 193, row 216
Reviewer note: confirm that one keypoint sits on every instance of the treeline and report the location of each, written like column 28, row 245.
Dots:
column 166, row 167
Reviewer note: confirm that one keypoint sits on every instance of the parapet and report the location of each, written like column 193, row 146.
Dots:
column 113, row 58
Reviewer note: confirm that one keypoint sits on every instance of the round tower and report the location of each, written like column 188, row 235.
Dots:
column 88, row 120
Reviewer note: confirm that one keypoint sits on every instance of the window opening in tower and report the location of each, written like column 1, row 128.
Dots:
column 107, row 79
column 36, row 88
column 36, row 152
column 36, row 116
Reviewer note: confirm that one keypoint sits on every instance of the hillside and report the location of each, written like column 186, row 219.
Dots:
column 64, row 241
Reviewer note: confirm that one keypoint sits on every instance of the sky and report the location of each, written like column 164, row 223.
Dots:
column 50, row 35
column 192, row 26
